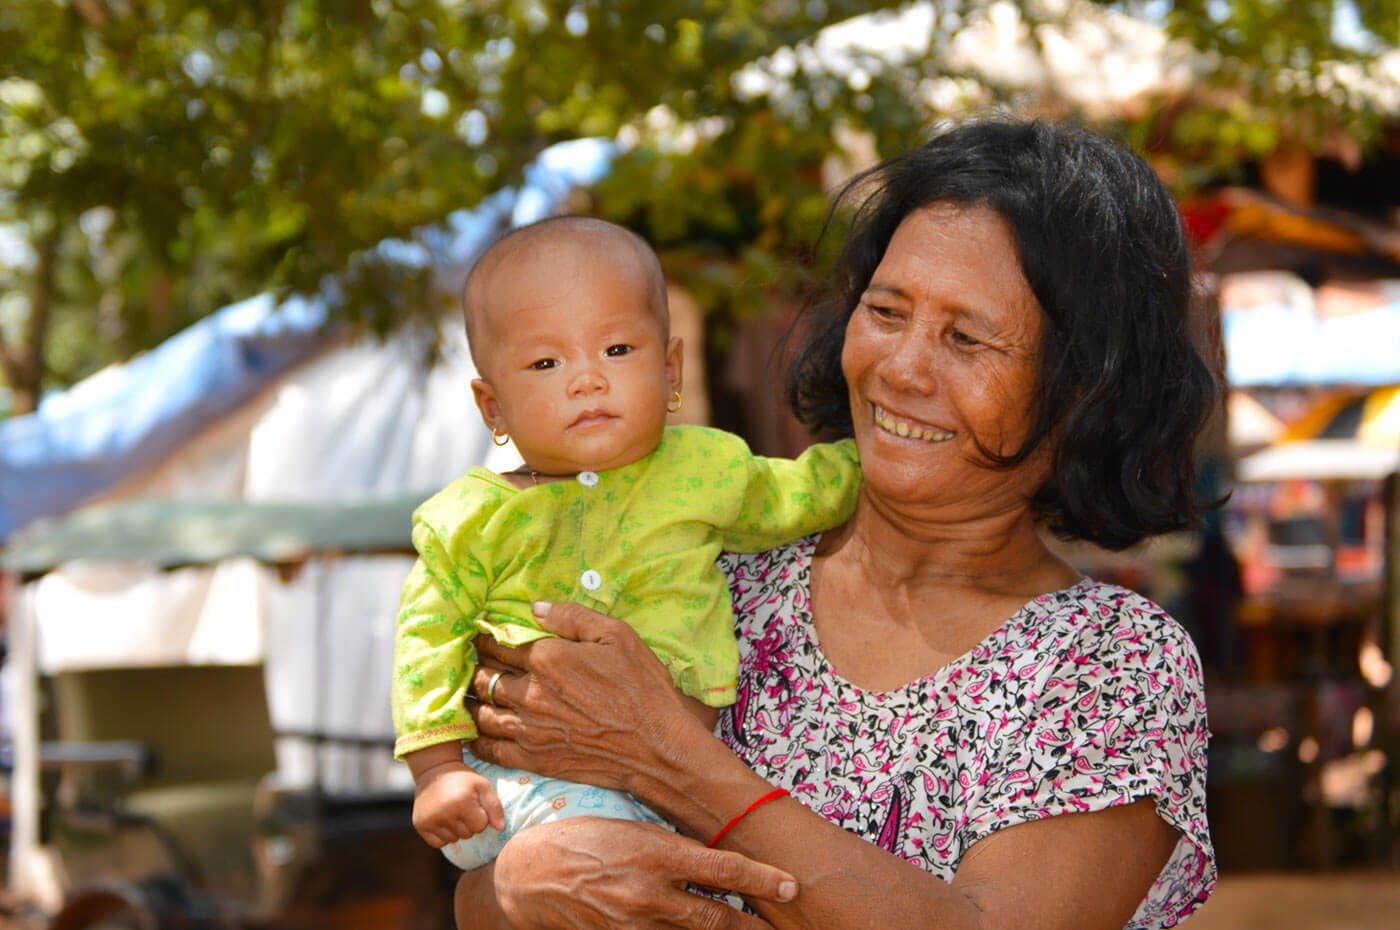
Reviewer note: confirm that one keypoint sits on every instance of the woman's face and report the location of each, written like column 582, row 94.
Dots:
column 941, row 354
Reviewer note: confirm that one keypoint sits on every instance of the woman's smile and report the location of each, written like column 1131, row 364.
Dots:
column 908, row 429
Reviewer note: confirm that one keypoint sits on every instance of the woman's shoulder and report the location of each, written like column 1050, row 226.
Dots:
column 1101, row 615
column 769, row 588
column 1100, row 638
column 751, row 568
column 1103, row 638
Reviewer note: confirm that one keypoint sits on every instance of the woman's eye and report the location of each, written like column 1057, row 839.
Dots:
column 544, row 364
column 614, row 351
column 963, row 339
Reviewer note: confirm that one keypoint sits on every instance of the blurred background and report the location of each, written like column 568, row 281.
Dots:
column 231, row 236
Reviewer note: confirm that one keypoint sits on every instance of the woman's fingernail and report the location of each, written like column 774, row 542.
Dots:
column 787, row 891
column 541, row 608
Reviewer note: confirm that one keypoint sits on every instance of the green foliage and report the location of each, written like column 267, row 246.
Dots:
column 192, row 154
column 188, row 154
column 1277, row 73
column 162, row 158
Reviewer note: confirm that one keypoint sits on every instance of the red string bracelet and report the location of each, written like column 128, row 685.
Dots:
column 770, row 796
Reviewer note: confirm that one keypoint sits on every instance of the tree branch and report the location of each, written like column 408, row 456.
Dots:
column 24, row 364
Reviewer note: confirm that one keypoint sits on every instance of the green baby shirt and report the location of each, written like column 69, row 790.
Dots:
column 638, row 543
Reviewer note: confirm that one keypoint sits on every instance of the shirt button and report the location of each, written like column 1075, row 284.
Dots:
column 591, row 580
column 588, row 478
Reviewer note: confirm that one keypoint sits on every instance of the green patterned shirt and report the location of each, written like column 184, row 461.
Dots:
column 638, row 543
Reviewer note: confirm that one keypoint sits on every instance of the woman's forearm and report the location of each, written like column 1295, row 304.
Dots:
column 1080, row 871
column 693, row 780
column 597, row 706
column 845, row 881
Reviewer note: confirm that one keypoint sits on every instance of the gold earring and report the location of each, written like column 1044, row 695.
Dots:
column 675, row 399
column 499, row 439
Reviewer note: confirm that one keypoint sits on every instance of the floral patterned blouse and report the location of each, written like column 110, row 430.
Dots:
column 1084, row 699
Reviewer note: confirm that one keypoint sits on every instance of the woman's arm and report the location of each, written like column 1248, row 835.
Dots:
column 597, row 706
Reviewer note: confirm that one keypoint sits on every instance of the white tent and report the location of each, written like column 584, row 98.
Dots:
column 355, row 428
column 360, row 422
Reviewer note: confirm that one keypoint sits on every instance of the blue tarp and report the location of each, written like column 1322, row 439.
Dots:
column 1280, row 344
column 125, row 419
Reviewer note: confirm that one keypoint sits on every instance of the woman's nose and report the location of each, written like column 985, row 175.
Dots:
column 910, row 366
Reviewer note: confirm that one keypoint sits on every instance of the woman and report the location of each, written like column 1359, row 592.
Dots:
column 972, row 735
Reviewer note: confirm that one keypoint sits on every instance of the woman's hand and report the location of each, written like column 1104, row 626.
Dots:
column 593, row 706
column 591, row 873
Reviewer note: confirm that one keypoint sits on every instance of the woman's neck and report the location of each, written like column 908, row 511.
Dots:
column 895, row 597
column 997, row 550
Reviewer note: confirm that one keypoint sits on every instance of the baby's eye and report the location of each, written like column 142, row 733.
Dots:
column 544, row 364
column 616, row 350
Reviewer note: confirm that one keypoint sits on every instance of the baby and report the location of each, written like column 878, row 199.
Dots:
column 568, row 325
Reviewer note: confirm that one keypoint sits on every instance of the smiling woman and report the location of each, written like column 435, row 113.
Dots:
column 1093, row 240
column 937, row 721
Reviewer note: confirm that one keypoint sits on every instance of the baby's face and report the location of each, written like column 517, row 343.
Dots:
column 575, row 362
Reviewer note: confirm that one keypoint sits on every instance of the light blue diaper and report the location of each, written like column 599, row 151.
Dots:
column 529, row 799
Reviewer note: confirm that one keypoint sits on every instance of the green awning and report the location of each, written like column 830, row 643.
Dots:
column 169, row 532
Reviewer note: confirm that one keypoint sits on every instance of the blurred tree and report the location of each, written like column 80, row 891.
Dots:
column 162, row 158
column 1277, row 77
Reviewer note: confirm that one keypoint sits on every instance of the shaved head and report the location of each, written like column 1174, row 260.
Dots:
column 583, row 238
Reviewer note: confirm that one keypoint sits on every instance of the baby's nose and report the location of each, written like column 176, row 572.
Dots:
column 588, row 379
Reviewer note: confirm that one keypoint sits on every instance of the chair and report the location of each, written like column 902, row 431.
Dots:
column 185, row 817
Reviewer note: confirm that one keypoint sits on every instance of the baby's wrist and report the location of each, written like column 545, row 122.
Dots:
column 436, row 758
column 436, row 771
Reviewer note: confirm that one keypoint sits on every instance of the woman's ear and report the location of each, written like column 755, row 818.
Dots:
column 675, row 352
column 485, row 396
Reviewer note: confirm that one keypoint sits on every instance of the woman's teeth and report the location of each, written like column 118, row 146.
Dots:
column 907, row 430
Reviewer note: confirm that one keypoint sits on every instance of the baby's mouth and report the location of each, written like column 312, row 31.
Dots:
column 908, row 429
column 591, row 418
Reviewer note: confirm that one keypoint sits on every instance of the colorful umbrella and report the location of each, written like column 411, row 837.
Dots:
column 1370, row 417
column 1348, row 435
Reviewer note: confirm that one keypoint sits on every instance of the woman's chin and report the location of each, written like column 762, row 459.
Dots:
column 902, row 483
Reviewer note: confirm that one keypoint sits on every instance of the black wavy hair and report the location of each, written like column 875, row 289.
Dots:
column 1123, row 391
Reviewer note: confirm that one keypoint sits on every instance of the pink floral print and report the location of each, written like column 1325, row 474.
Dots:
column 1084, row 699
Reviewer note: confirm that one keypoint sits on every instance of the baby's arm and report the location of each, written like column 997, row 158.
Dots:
column 786, row 499
column 450, row 801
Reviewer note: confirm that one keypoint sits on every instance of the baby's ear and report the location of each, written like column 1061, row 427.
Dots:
column 675, row 354
column 485, row 396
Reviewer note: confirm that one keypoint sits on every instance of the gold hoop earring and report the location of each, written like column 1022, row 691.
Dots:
column 675, row 399
column 499, row 439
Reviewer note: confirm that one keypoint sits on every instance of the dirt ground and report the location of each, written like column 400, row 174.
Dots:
column 1368, row 900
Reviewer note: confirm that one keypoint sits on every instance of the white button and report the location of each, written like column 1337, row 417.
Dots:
column 588, row 478
column 591, row 580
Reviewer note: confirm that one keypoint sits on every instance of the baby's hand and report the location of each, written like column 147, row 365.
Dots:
column 452, row 802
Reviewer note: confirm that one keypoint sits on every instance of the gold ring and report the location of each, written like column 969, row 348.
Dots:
column 491, row 688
